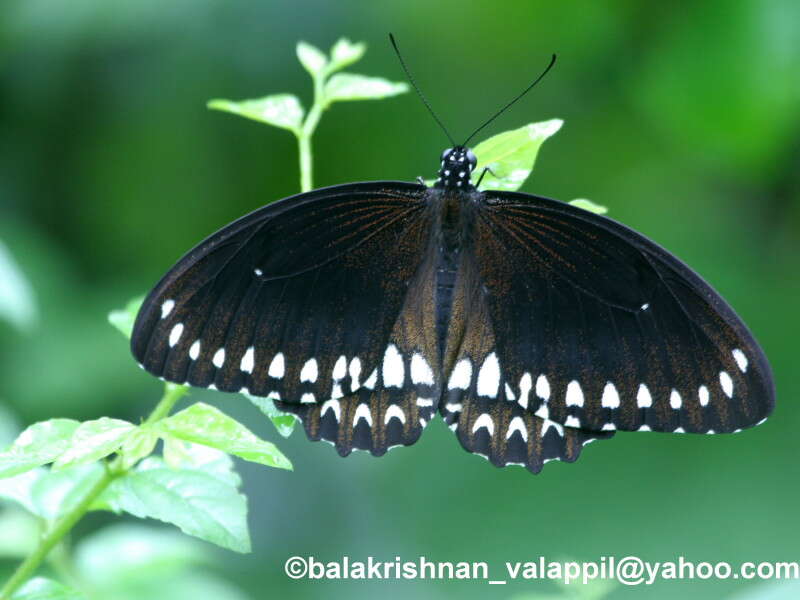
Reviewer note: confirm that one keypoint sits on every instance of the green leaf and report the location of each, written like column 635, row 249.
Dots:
column 18, row 488
column 40, row 588
column 207, row 425
column 149, row 552
column 57, row 492
column 124, row 318
column 186, row 455
column 283, row 422
column 21, row 532
column 280, row 110
column 312, row 58
column 94, row 440
column 511, row 155
column 589, row 205
column 198, row 503
column 39, row 444
column 17, row 304
column 137, row 445
column 345, row 53
column 349, row 86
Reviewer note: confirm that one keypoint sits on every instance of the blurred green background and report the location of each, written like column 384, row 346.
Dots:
column 681, row 118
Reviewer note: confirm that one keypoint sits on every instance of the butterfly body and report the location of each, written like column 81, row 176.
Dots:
column 531, row 326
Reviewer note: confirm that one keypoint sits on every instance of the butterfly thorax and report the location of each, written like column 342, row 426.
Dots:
column 457, row 165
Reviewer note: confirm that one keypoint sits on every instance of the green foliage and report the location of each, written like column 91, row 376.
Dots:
column 17, row 305
column 589, row 205
column 41, row 588
column 124, row 318
column 38, row 445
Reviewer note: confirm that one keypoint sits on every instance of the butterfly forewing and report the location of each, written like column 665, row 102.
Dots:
column 605, row 329
column 308, row 301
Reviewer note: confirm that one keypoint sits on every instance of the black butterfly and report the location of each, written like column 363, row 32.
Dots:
column 531, row 326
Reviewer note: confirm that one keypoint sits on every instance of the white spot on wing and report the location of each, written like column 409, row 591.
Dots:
column 702, row 393
column 355, row 373
column 608, row 427
column 509, row 393
column 194, row 351
column 421, row 372
column 219, row 358
column 340, row 369
column 525, row 386
column 489, row 377
column 248, row 360
column 740, row 359
column 362, row 412
column 175, row 334
column 571, row 421
column 461, row 375
column 372, row 380
column 557, row 426
column 574, row 394
column 484, row 421
column 644, row 428
column 331, row 405
column 610, row 397
column 307, row 398
column 453, row 407
column 675, row 400
column 277, row 366
column 424, row 402
column 166, row 308
column 727, row 383
column 542, row 387
column 643, row 397
column 517, row 424
column 310, row 371
column 394, row 412
column 393, row 368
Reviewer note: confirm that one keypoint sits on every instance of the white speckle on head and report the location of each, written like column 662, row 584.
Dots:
column 574, row 394
column 571, row 421
column 547, row 424
column 740, row 359
column 458, row 184
column 702, row 394
column 362, row 412
column 394, row 412
column 194, row 351
column 461, row 376
column 447, row 172
column 421, row 372
column 489, row 377
column 166, row 308
column 679, row 430
column 542, row 387
column 461, row 174
column 453, row 407
column 331, row 405
column 258, row 272
column 219, row 358
column 675, row 399
column 355, row 373
column 310, row 371
column 484, row 421
column 645, row 306
column 727, row 383
column 643, row 398
column 307, row 398
column 608, row 427
column 610, row 397
column 340, row 369
column 393, row 368
column 248, row 360
column 425, row 402
column 372, row 380
column 525, row 386
column 509, row 393
column 175, row 334
column 277, row 367
column 517, row 424
column 644, row 428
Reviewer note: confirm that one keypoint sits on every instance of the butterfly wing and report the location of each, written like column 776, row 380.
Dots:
column 598, row 328
column 285, row 303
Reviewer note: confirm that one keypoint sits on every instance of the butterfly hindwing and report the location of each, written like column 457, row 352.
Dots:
column 607, row 330
column 488, row 417
column 288, row 303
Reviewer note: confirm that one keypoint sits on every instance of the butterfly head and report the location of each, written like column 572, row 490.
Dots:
column 457, row 166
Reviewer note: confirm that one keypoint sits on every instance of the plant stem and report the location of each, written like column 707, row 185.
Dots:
column 54, row 536
column 172, row 393
column 307, row 130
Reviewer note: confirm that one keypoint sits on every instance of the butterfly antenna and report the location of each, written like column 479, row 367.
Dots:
column 507, row 106
column 419, row 93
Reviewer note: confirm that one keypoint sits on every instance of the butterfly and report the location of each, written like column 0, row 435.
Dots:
column 531, row 326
